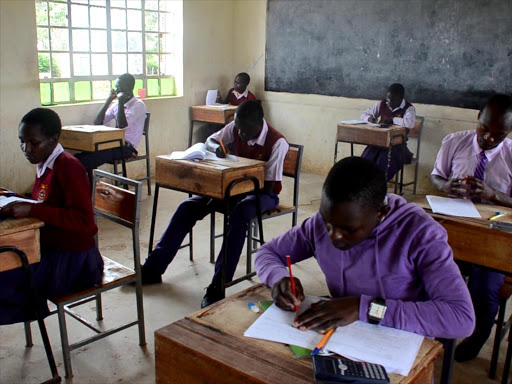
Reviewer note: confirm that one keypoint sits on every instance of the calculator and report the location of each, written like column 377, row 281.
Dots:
column 334, row 370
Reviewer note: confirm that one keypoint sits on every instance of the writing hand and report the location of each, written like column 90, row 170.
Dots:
column 283, row 295
column 372, row 119
column 386, row 120
column 328, row 314
column 477, row 188
column 17, row 210
column 219, row 152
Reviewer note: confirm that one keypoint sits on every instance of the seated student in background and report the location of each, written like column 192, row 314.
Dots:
column 393, row 110
column 129, row 113
column 70, row 260
column 478, row 165
column 252, row 138
column 239, row 93
column 376, row 251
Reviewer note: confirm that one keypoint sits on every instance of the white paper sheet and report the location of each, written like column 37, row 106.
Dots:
column 14, row 199
column 211, row 97
column 396, row 350
column 199, row 152
column 352, row 122
column 89, row 128
column 453, row 207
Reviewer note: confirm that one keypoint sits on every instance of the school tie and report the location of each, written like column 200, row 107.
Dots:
column 480, row 168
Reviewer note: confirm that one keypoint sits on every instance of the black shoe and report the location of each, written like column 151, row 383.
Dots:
column 213, row 294
column 149, row 276
column 469, row 348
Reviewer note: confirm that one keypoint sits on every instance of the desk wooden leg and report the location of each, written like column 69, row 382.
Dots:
column 153, row 218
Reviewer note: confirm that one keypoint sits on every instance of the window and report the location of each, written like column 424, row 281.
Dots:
column 84, row 45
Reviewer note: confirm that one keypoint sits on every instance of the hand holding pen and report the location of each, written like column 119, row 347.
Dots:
column 283, row 296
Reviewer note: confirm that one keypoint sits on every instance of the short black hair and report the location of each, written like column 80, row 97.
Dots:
column 501, row 101
column 128, row 79
column 250, row 111
column 356, row 179
column 45, row 118
column 244, row 76
column 397, row 89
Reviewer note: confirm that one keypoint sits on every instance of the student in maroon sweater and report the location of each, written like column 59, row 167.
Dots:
column 252, row 138
column 70, row 260
column 239, row 93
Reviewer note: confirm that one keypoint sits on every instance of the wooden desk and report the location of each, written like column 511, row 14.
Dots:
column 209, row 114
column 23, row 234
column 92, row 138
column 473, row 241
column 218, row 179
column 209, row 347
column 365, row 134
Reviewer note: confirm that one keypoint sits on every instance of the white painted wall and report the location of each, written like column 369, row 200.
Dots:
column 207, row 64
column 311, row 119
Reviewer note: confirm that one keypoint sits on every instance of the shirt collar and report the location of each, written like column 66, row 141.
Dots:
column 402, row 104
column 490, row 153
column 260, row 140
column 240, row 95
column 50, row 161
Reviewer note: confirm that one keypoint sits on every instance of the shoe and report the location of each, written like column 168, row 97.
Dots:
column 149, row 276
column 213, row 294
column 469, row 348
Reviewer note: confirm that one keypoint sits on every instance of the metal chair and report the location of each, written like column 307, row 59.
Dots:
column 35, row 300
column 291, row 168
column 502, row 326
column 123, row 207
column 146, row 156
column 415, row 133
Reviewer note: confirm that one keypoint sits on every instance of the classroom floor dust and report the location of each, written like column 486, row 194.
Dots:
column 118, row 358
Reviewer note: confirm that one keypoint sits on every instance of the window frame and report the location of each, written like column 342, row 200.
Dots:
column 111, row 77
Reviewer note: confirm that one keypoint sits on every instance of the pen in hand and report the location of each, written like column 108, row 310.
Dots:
column 292, row 281
column 222, row 146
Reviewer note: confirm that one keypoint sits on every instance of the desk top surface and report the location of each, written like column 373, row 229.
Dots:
column 91, row 128
column 372, row 128
column 232, row 316
column 216, row 108
column 486, row 211
column 10, row 225
column 215, row 165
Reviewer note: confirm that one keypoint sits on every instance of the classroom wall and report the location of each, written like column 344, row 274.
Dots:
column 207, row 64
column 312, row 119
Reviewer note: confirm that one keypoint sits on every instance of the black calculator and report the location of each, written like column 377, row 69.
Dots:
column 329, row 369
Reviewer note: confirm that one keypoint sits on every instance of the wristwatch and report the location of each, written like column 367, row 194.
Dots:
column 377, row 310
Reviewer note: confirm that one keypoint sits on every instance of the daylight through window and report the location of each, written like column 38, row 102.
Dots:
column 84, row 45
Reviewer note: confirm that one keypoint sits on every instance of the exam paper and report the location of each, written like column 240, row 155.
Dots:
column 352, row 122
column 453, row 207
column 14, row 199
column 211, row 97
column 396, row 350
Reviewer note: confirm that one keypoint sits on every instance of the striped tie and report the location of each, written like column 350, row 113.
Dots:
column 480, row 168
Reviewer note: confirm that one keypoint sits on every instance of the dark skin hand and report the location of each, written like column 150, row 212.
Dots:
column 17, row 210
column 386, row 120
column 323, row 315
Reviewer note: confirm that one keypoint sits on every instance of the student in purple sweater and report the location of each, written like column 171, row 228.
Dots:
column 385, row 261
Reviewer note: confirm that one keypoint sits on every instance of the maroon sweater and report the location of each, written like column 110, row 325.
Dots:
column 258, row 152
column 65, row 207
column 385, row 111
column 231, row 98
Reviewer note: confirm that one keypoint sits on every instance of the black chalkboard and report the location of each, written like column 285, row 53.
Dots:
column 445, row 52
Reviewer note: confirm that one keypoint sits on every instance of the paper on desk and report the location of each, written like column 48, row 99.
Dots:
column 90, row 128
column 453, row 207
column 396, row 350
column 14, row 199
column 352, row 122
column 211, row 97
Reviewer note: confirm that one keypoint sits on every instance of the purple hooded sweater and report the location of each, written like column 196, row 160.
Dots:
column 406, row 260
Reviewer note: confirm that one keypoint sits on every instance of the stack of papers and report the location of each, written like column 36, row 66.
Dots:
column 453, row 207
column 396, row 350
column 14, row 199
column 198, row 152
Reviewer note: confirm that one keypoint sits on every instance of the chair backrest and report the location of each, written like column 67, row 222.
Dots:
column 418, row 127
column 292, row 166
column 115, row 203
column 146, row 124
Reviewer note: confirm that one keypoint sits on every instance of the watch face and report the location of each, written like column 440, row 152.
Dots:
column 377, row 310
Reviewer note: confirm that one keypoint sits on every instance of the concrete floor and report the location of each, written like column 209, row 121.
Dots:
column 118, row 358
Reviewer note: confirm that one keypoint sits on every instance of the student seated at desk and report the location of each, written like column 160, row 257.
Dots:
column 70, row 260
column 393, row 110
column 478, row 165
column 239, row 93
column 129, row 113
column 253, row 138
column 377, row 252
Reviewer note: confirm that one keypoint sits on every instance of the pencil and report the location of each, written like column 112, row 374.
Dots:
column 322, row 342
column 222, row 146
column 292, row 281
